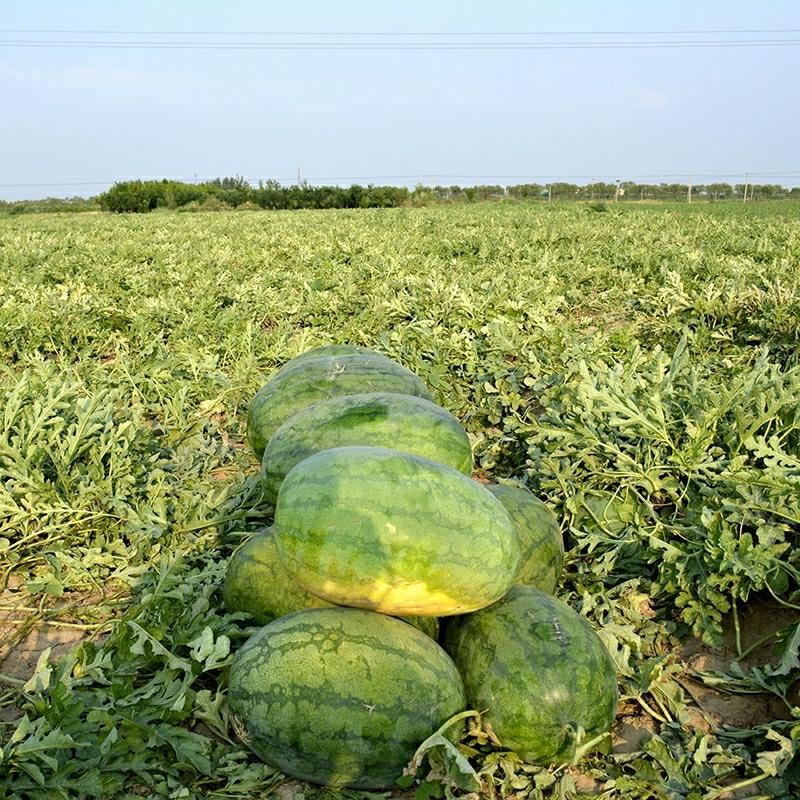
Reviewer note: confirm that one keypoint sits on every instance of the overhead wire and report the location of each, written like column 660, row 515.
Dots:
column 676, row 32
column 394, row 46
column 596, row 177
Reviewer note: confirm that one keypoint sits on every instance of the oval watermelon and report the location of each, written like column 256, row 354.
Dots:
column 539, row 536
column 542, row 673
column 397, row 533
column 258, row 584
column 325, row 351
column 299, row 385
column 379, row 419
column 342, row 697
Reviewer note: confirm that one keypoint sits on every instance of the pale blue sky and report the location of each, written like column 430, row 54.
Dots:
column 94, row 115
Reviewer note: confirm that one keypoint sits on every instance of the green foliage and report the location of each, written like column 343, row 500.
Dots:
column 638, row 369
column 143, row 196
column 221, row 194
column 144, row 712
column 49, row 205
column 668, row 472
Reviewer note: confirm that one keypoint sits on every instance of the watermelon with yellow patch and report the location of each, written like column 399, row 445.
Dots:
column 258, row 584
column 393, row 532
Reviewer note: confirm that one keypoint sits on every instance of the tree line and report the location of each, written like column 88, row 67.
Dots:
column 237, row 192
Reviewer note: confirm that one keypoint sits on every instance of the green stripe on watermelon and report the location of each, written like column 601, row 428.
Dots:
column 258, row 584
column 540, row 671
column 378, row 419
column 396, row 533
column 342, row 697
column 539, row 536
column 312, row 380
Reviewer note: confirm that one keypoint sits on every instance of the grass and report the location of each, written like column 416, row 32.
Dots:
column 637, row 368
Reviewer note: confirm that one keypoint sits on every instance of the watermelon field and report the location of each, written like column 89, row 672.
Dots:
column 637, row 367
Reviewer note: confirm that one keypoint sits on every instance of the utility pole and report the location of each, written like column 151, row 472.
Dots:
column 616, row 193
column 299, row 181
column 641, row 194
column 549, row 191
column 689, row 191
column 746, row 181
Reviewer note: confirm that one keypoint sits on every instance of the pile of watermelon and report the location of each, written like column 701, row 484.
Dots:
column 396, row 591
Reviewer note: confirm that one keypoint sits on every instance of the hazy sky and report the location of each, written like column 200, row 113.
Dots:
column 96, row 115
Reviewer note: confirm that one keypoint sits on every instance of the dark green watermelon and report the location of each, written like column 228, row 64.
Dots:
column 378, row 419
column 544, row 677
column 310, row 380
column 342, row 697
column 396, row 533
column 258, row 584
column 539, row 536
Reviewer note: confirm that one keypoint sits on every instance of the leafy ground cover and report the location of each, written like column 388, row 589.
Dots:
column 637, row 367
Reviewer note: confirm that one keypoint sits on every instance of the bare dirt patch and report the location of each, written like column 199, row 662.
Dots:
column 632, row 729
column 757, row 622
column 27, row 629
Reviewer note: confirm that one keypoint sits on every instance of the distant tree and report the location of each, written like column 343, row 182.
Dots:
column 719, row 191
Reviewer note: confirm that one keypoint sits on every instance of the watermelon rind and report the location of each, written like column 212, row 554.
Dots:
column 257, row 583
column 325, row 351
column 540, row 672
column 341, row 697
column 539, row 535
column 375, row 528
column 378, row 419
column 311, row 380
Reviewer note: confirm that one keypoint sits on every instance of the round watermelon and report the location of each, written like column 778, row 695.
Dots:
column 539, row 536
column 258, row 584
column 342, row 697
column 309, row 380
column 378, row 419
column 544, row 677
column 375, row 528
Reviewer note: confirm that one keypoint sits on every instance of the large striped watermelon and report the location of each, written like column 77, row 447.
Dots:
column 340, row 696
column 544, row 677
column 397, row 533
column 310, row 380
column 257, row 583
column 539, row 535
column 379, row 419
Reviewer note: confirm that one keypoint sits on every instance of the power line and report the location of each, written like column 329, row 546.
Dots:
column 418, row 176
column 390, row 46
column 687, row 32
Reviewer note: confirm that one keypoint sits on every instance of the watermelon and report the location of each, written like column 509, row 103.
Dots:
column 539, row 536
column 326, row 350
column 397, row 533
column 544, row 677
column 341, row 696
column 381, row 419
column 298, row 385
column 258, row 584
